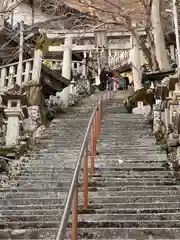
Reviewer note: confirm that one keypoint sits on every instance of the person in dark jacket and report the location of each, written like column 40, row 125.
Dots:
column 104, row 78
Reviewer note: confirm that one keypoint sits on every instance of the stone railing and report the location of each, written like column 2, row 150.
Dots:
column 9, row 74
column 57, row 64
column 119, row 59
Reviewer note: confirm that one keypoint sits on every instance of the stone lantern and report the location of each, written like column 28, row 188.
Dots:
column 15, row 112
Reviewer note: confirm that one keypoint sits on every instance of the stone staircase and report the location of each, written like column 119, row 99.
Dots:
column 31, row 208
column 131, row 196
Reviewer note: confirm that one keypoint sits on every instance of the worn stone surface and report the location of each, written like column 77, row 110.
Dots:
column 144, row 110
column 131, row 195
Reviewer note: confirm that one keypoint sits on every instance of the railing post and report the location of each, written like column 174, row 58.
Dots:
column 95, row 131
column 75, row 215
column 97, row 122
column 101, row 108
column 86, row 177
column 92, row 148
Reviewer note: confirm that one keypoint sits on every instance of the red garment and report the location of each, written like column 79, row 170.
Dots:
column 115, row 81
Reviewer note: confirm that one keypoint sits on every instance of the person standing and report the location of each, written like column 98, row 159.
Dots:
column 105, row 76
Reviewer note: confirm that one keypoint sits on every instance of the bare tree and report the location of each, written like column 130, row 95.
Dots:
column 123, row 13
column 6, row 7
column 116, row 13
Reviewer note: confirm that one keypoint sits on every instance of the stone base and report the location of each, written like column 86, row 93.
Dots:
column 64, row 97
column 143, row 110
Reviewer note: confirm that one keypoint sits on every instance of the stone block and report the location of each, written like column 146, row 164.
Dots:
column 143, row 110
column 33, row 121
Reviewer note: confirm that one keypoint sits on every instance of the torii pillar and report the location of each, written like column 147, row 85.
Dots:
column 136, row 64
column 66, row 69
column 101, row 42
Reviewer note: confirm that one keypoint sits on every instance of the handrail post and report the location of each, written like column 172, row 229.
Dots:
column 92, row 148
column 86, row 177
column 101, row 107
column 75, row 215
column 95, row 131
column 97, row 122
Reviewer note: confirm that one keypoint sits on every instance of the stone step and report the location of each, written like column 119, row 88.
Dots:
column 165, row 175
column 100, row 207
column 134, row 181
column 100, row 158
column 122, row 207
column 64, row 188
column 128, row 180
column 43, row 165
column 51, row 215
column 118, row 169
column 136, row 166
column 96, row 239
column 132, row 172
column 94, row 224
column 98, row 182
column 137, row 233
column 132, row 165
column 100, row 233
column 129, row 152
column 55, row 194
column 93, row 199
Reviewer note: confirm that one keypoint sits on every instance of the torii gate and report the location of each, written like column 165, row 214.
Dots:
column 101, row 41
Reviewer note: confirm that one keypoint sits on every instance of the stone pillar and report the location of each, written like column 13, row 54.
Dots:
column 157, row 116
column 32, row 86
column 170, row 108
column 37, row 63
column 84, row 67
column 98, row 70
column 67, row 58
column 136, row 64
column 101, row 42
column 166, row 117
column 66, row 69
column 72, row 92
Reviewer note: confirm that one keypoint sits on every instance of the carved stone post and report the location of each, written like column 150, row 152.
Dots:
column 15, row 113
column 172, row 85
column 84, row 66
column 166, row 108
column 172, row 53
column 157, row 110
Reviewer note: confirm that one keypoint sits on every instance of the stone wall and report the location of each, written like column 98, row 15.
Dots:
column 166, row 118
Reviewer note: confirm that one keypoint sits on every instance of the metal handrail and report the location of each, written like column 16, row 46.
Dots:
column 93, row 127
